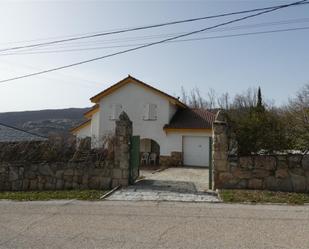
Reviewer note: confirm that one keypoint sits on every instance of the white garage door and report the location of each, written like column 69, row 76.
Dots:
column 196, row 151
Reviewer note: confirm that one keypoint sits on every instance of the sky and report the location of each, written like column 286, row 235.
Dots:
column 277, row 62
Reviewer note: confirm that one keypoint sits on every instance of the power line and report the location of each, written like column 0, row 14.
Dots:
column 74, row 46
column 138, row 44
column 174, row 41
column 61, row 74
column 151, row 26
column 153, row 43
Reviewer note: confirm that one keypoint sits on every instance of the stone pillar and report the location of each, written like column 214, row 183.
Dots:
column 123, row 133
column 219, row 149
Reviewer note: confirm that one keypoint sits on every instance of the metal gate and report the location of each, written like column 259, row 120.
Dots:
column 134, row 159
column 210, row 165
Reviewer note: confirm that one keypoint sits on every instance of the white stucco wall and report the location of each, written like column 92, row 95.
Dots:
column 133, row 97
column 95, row 127
column 83, row 132
column 172, row 111
column 95, row 124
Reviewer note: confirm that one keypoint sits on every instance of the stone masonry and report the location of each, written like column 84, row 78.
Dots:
column 87, row 169
column 280, row 172
column 123, row 134
column 175, row 159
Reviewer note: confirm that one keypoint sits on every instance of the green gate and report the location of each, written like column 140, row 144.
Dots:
column 134, row 159
column 210, row 165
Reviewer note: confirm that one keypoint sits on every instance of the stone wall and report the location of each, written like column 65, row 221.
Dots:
column 36, row 166
column 280, row 172
column 175, row 159
column 17, row 176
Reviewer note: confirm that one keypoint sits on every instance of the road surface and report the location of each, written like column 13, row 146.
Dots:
column 117, row 224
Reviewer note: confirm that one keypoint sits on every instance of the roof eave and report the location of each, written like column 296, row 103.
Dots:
column 81, row 126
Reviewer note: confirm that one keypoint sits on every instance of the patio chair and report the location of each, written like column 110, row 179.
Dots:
column 145, row 158
column 153, row 158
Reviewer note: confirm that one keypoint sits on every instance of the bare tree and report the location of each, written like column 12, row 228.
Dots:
column 246, row 100
column 297, row 118
column 196, row 100
column 211, row 98
column 223, row 101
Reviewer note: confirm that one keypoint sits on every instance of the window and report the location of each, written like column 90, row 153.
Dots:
column 150, row 112
column 115, row 110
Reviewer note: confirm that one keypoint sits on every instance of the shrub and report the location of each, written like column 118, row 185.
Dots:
column 257, row 129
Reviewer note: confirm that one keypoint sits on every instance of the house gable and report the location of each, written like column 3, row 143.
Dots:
column 132, row 80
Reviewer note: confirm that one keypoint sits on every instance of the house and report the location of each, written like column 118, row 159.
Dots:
column 177, row 134
column 10, row 134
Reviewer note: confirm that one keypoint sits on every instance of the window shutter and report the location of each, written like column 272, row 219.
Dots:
column 150, row 112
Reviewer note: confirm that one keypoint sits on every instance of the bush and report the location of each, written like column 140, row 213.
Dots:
column 257, row 129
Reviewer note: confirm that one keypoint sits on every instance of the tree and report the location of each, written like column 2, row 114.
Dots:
column 259, row 105
column 223, row 101
column 255, row 127
column 247, row 99
column 194, row 98
column 296, row 117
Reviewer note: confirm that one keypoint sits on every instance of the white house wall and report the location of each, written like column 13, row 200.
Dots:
column 95, row 128
column 133, row 97
column 172, row 111
column 84, row 132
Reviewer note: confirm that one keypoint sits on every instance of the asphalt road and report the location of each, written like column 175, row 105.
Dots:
column 112, row 224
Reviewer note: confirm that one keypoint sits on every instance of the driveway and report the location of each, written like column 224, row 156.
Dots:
column 172, row 184
column 156, row 225
column 197, row 177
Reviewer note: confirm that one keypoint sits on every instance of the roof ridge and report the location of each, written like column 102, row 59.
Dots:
column 140, row 82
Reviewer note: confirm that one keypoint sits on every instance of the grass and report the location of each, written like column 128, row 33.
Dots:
column 263, row 196
column 91, row 195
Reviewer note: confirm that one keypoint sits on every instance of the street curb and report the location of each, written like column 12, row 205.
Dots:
column 109, row 192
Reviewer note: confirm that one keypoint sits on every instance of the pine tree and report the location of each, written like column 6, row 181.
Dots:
column 259, row 100
column 259, row 105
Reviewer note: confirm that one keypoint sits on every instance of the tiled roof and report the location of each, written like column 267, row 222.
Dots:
column 191, row 119
column 12, row 134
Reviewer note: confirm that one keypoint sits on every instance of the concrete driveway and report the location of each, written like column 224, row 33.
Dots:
column 172, row 184
column 197, row 177
column 156, row 225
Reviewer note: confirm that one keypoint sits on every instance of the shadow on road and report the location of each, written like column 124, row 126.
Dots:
column 162, row 185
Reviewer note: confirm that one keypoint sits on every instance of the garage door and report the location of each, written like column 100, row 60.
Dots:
column 196, row 151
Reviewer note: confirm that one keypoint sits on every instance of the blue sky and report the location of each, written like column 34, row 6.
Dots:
column 279, row 62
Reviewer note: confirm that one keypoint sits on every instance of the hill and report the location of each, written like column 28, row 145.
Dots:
column 45, row 122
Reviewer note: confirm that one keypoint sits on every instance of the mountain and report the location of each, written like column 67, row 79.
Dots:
column 45, row 122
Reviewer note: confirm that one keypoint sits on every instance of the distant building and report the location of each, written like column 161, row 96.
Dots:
column 9, row 134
